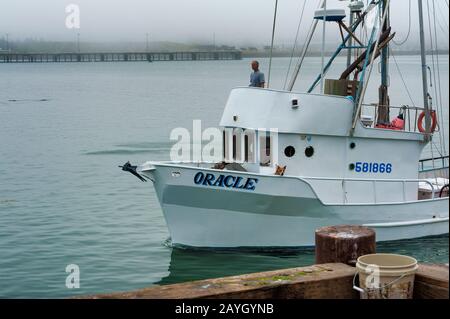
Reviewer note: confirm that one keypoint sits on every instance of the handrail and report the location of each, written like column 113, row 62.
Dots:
column 407, row 110
column 407, row 180
column 405, row 107
column 375, row 182
column 443, row 160
column 433, row 158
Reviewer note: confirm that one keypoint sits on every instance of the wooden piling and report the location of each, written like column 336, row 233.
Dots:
column 343, row 244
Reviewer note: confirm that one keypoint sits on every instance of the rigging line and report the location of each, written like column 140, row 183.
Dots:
column 273, row 38
column 306, row 45
column 444, row 20
column 433, row 45
column 400, row 43
column 441, row 106
column 295, row 44
column 437, row 149
column 433, row 64
column 402, row 78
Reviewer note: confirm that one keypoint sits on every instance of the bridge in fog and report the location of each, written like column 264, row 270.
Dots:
column 118, row 56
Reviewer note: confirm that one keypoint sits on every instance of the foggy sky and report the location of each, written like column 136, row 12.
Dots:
column 234, row 22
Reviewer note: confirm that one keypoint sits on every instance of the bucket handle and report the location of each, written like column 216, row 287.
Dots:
column 362, row 290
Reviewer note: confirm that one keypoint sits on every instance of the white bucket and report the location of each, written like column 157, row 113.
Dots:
column 386, row 276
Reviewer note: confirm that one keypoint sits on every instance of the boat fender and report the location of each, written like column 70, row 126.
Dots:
column 433, row 119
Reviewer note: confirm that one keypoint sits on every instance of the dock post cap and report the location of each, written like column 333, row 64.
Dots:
column 343, row 243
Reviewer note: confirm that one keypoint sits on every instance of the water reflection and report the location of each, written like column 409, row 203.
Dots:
column 189, row 264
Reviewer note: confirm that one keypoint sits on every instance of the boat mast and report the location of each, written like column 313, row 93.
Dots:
column 424, row 74
column 384, row 101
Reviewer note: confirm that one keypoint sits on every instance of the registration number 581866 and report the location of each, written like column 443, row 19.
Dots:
column 382, row 168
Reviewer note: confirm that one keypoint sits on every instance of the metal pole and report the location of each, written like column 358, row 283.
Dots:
column 323, row 45
column 7, row 42
column 385, row 51
column 366, row 82
column 273, row 38
column 350, row 41
column 383, row 107
column 146, row 42
column 305, row 51
column 424, row 73
column 78, row 42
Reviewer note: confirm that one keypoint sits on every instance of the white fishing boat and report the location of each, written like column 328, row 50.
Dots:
column 321, row 160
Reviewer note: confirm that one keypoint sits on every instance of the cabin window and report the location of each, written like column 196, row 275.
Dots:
column 224, row 142
column 268, row 146
column 289, row 151
column 227, row 139
column 246, row 148
column 249, row 146
column 237, row 145
column 309, row 151
column 265, row 142
column 234, row 146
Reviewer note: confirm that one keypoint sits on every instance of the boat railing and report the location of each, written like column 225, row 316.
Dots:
column 410, row 113
column 427, row 163
column 375, row 182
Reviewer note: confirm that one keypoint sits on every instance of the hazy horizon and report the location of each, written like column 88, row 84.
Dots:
column 231, row 22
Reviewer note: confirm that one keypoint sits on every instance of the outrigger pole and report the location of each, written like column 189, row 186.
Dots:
column 305, row 51
column 365, row 79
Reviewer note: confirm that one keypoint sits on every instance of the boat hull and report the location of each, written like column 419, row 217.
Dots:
column 279, row 212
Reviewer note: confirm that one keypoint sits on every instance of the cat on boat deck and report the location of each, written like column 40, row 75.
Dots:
column 280, row 170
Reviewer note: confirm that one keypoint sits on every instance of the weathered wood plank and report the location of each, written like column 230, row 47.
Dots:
column 431, row 282
column 327, row 281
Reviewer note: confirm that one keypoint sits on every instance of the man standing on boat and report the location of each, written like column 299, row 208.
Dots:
column 257, row 77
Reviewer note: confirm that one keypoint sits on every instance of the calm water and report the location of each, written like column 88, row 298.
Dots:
column 64, row 129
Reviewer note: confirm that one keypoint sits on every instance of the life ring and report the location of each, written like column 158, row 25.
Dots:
column 433, row 121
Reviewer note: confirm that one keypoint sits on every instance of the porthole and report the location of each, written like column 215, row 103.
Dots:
column 351, row 167
column 289, row 151
column 309, row 151
column 352, row 145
